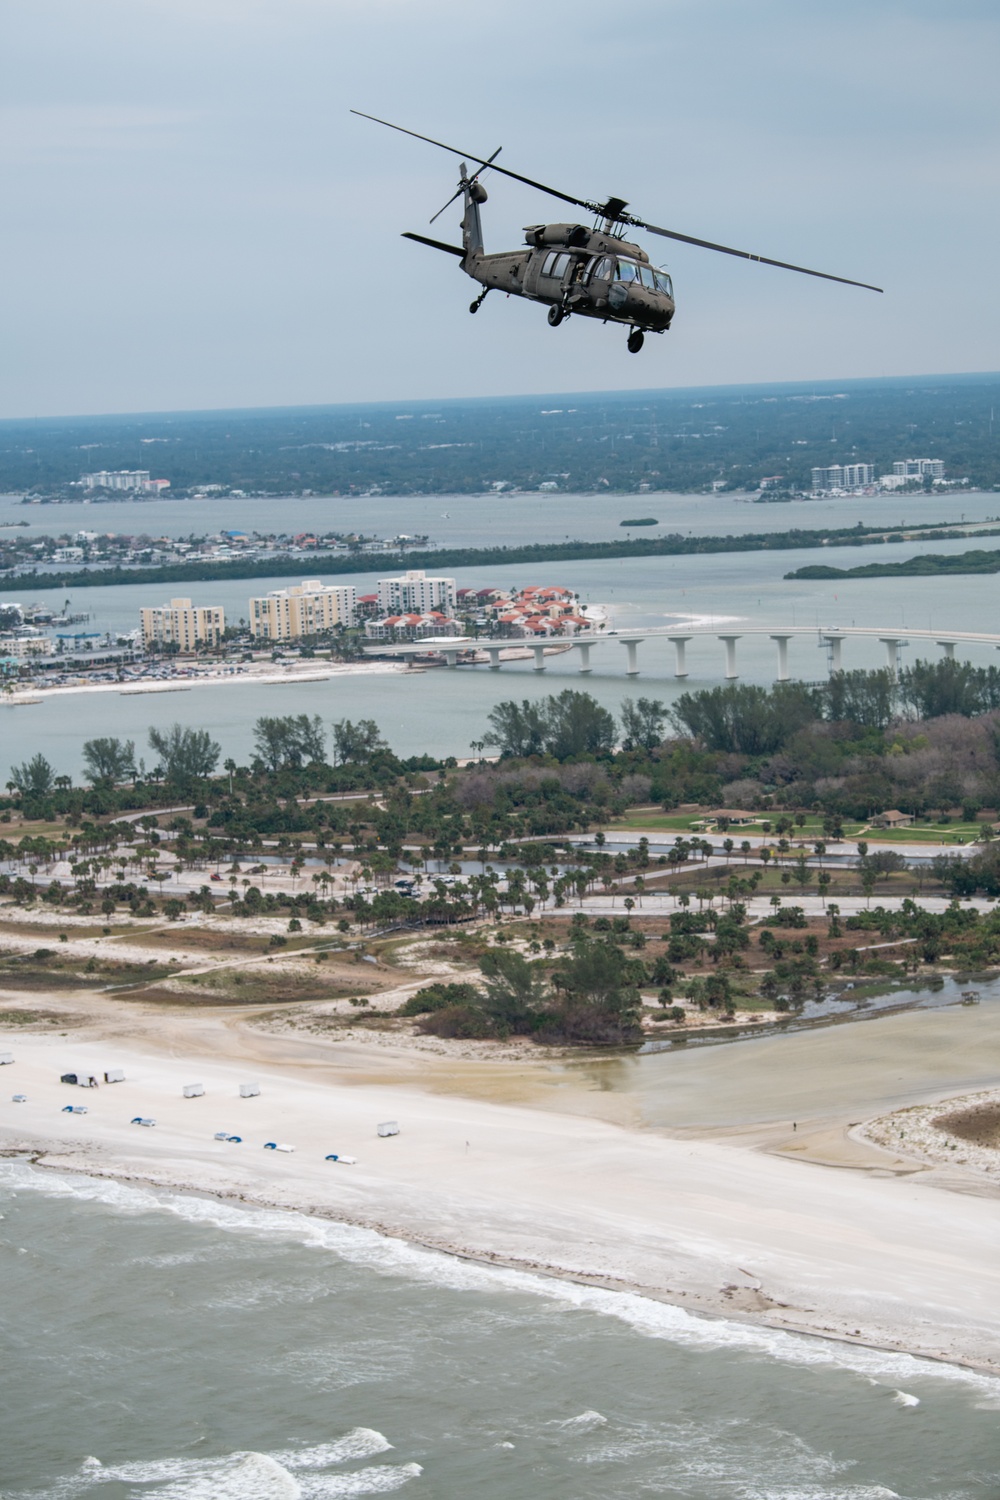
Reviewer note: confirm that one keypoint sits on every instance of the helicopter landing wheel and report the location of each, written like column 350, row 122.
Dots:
column 475, row 306
column 556, row 315
column 635, row 341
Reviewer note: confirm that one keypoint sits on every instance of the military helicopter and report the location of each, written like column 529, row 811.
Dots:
column 590, row 272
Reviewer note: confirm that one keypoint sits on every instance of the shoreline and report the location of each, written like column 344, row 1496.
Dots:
column 136, row 687
column 489, row 1261
column 727, row 1228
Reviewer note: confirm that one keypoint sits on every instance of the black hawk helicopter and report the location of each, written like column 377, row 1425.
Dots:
column 573, row 269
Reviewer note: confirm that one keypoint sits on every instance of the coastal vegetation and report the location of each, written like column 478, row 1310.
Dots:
column 328, row 839
column 927, row 565
column 331, row 564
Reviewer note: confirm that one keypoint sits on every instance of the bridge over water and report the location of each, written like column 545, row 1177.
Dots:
column 451, row 648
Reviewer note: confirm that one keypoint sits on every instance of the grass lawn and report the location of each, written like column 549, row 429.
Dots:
column 653, row 820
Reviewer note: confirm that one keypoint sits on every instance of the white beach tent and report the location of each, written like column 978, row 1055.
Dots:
column 193, row 1090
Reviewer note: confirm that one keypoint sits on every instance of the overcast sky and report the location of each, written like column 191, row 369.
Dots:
column 193, row 219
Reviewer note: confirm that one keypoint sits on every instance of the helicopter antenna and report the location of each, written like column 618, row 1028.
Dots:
column 613, row 211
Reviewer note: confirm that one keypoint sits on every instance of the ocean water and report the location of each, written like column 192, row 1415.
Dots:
column 181, row 1349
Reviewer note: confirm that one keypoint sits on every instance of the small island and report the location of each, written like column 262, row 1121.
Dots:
column 640, row 521
column 927, row 565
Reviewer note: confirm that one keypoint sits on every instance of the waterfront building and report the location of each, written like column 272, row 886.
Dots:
column 416, row 593
column 123, row 479
column 919, row 468
column 843, row 477
column 183, row 624
column 412, row 627
column 309, row 608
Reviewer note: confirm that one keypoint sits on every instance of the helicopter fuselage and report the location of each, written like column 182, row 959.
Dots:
column 579, row 271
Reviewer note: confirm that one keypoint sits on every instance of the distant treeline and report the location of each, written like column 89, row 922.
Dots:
column 609, row 443
column 673, row 545
column 927, row 565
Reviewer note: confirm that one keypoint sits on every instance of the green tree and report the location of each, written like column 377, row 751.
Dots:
column 516, row 729
column 186, row 755
column 515, row 991
column 643, row 723
column 355, row 743
column 865, row 698
column 744, row 719
column 107, row 761
column 289, row 741
column 34, row 777
column 935, row 688
column 598, row 995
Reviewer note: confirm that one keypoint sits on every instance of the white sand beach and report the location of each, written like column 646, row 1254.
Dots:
column 260, row 674
column 845, row 1239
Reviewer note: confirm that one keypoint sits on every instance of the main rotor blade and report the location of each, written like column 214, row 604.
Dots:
column 783, row 265
column 482, row 162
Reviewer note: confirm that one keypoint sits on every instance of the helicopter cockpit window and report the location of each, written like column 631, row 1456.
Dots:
column 602, row 270
column 628, row 270
column 647, row 277
column 663, row 283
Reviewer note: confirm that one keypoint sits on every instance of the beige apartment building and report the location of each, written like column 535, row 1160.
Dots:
column 181, row 622
column 308, row 608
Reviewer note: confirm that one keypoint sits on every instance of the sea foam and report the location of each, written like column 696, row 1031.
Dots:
column 388, row 1256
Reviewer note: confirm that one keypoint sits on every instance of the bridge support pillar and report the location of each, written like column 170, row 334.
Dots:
column 584, row 651
column 893, row 646
column 631, row 658
column 451, row 657
column 729, row 641
column 494, row 655
column 948, row 647
column 679, row 642
column 539, row 658
column 782, row 644
column 833, row 644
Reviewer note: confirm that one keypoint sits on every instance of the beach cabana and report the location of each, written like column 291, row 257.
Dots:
column 249, row 1090
column 6, row 1058
column 193, row 1090
column 388, row 1127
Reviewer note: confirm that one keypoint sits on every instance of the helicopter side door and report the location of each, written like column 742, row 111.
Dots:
column 546, row 277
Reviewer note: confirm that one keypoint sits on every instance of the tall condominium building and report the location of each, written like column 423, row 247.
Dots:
column 919, row 468
column 308, row 608
column 416, row 594
column 123, row 479
column 182, row 623
column 843, row 477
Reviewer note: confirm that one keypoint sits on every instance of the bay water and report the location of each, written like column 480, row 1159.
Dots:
column 442, row 712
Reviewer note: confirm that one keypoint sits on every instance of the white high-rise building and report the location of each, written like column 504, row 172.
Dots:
column 123, row 479
column 843, row 477
column 919, row 468
column 309, row 608
column 416, row 594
